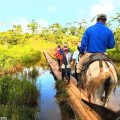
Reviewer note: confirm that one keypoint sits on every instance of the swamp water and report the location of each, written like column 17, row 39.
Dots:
column 48, row 107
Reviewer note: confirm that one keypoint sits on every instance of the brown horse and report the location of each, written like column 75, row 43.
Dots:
column 98, row 81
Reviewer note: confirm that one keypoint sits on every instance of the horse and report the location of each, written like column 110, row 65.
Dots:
column 97, row 79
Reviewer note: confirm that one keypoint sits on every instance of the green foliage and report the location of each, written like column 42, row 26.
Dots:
column 12, row 37
column 17, row 29
column 13, row 55
column 114, row 55
column 18, row 112
column 18, row 99
column 17, row 47
column 30, row 55
column 117, row 38
column 17, row 92
column 33, row 26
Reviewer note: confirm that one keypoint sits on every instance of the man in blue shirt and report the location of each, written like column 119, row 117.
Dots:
column 96, row 39
column 74, row 62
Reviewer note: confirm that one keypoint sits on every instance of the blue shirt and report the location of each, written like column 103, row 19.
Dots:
column 75, row 56
column 97, row 39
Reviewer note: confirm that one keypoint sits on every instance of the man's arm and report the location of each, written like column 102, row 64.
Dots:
column 110, row 41
column 84, row 42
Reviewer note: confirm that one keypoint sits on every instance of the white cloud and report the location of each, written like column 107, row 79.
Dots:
column 52, row 8
column 103, row 6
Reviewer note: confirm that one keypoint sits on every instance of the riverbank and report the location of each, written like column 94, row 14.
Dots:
column 13, row 58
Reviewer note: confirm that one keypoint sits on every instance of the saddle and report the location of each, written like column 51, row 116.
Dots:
column 95, row 57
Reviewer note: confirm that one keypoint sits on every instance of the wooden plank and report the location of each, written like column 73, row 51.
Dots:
column 83, row 111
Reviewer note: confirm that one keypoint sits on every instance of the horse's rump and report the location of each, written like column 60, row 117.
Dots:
column 98, row 76
column 94, row 70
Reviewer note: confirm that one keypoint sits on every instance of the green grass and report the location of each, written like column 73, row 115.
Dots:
column 11, row 56
column 42, row 45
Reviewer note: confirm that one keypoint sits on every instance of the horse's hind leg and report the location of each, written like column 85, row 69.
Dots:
column 109, row 86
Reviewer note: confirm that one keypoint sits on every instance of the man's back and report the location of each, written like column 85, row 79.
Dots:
column 97, row 39
column 76, row 56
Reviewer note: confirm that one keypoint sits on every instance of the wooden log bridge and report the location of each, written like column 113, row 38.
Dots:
column 83, row 111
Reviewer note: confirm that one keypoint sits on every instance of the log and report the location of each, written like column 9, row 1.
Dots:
column 83, row 111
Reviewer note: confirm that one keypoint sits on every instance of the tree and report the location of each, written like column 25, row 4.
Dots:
column 33, row 26
column 17, row 29
column 116, row 20
column 56, row 31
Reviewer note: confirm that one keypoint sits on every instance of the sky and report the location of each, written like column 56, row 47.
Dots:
column 47, row 12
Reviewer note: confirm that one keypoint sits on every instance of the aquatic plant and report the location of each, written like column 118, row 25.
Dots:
column 18, row 98
column 18, row 92
column 33, row 73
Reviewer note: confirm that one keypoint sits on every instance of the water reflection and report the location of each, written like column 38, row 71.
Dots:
column 47, row 104
column 49, row 108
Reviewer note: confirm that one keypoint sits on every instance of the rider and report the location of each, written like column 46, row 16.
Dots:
column 96, row 39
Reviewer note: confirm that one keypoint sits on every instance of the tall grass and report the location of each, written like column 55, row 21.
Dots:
column 18, row 98
column 17, row 92
column 14, row 57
